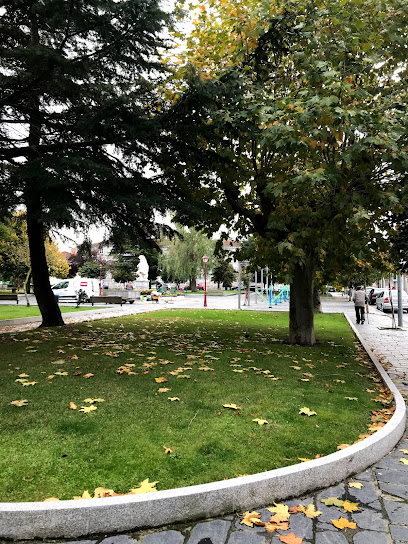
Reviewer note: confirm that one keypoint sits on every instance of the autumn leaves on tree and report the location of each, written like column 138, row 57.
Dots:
column 295, row 114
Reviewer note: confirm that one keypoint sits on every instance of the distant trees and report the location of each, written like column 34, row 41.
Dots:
column 15, row 263
column 223, row 271
column 183, row 261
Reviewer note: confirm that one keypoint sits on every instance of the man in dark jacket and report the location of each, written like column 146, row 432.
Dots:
column 359, row 299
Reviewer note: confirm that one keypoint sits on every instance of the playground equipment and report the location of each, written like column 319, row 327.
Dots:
column 267, row 293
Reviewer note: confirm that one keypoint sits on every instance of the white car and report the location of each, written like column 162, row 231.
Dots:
column 383, row 300
column 67, row 290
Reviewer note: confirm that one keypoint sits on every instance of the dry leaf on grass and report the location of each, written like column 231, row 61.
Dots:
column 19, row 403
column 307, row 411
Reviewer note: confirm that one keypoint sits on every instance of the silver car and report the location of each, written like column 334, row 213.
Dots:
column 383, row 300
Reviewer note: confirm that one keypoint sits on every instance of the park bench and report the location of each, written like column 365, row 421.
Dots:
column 108, row 299
column 9, row 297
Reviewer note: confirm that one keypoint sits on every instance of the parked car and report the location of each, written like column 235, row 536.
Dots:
column 383, row 300
column 67, row 290
column 330, row 289
column 372, row 293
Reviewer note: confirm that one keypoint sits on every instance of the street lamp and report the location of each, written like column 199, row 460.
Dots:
column 205, row 261
column 100, row 279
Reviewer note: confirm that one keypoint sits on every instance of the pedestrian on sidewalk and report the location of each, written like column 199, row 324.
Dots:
column 360, row 299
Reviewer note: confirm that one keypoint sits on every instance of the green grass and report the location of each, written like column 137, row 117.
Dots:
column 15, row 311
column 48, row 449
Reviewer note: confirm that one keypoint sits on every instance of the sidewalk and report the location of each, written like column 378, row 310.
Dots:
column 383, row 498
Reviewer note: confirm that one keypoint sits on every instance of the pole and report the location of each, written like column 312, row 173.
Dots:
column 100, row 279
column 256, row 286
column 400, row 309
column 239, row 285
column 205, row 285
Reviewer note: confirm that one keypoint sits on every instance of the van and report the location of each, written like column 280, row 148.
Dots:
column 68, row 289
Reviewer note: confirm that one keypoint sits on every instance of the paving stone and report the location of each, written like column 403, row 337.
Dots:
column 164, row 537
column 367, row 475
column 397, row 511
column 118, row 539
column 367, row 519
column 330, row 538
column 397, row 490
column 300, row 525
column 216, row 531
column 370, row 537
column 366, row 494
column 392, row 463
column 327, row 513
column 326, row 527
column 398, row 532
column 244, row 538
column 337, row 491
column 393, row 476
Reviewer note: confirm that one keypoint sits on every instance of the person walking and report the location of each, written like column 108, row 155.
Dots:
column 360, row 299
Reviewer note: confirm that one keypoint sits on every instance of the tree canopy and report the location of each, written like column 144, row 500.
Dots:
column 78, row 121
column 300, row 110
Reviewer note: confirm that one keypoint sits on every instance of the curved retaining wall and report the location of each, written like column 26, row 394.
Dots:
column 113, row 514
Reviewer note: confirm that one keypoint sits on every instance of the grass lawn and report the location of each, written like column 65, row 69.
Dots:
column 203, row 358
column 20, row 310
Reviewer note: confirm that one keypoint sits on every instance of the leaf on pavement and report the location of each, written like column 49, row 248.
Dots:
column 291, row 539
column 309, row 511
column 404, row 461
column 343, row 523
column 280, row 509
column 350, row 506
column 307, row 411
column 332, row 501
column 358, row 485
column 251, row 518
column 404, row 451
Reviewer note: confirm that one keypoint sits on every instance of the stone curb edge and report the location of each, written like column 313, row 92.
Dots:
column 66, row 519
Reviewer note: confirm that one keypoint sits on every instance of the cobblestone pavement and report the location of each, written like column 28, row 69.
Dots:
column 382, row 500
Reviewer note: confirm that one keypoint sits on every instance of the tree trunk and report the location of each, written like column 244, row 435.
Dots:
column 301, row 317
column 27, row 282
column 47, row 302
column 317, row 303
column 193, row 284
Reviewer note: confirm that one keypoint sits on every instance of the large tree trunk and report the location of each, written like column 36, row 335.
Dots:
column 47, row 302
column 317, row 303
column 301, row 315
column 193, row 284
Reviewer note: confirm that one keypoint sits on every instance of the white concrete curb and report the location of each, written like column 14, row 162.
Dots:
column 114, row 514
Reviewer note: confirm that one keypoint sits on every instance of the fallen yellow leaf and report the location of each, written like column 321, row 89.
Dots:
column 72, row 406
column 358, row 485
column 343, row 523
column 173, row 399
column 87, row 409
column 309, row 511
column 350, row 506
column 260, row 421
column 19, row 402
column 85, row 495
column 404, row 461
column 231, row 406
column 250, row 518
column 144, row 487
column 307, row 411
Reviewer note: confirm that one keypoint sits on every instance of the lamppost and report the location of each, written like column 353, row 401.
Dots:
column 205, row 261
column 100, row 279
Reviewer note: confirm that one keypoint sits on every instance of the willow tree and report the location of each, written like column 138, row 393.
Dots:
column 296, row 123
column 78, row 121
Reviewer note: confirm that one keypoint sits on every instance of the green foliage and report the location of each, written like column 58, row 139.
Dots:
column 223, row 271
column 92, row 269
column 183, row 261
